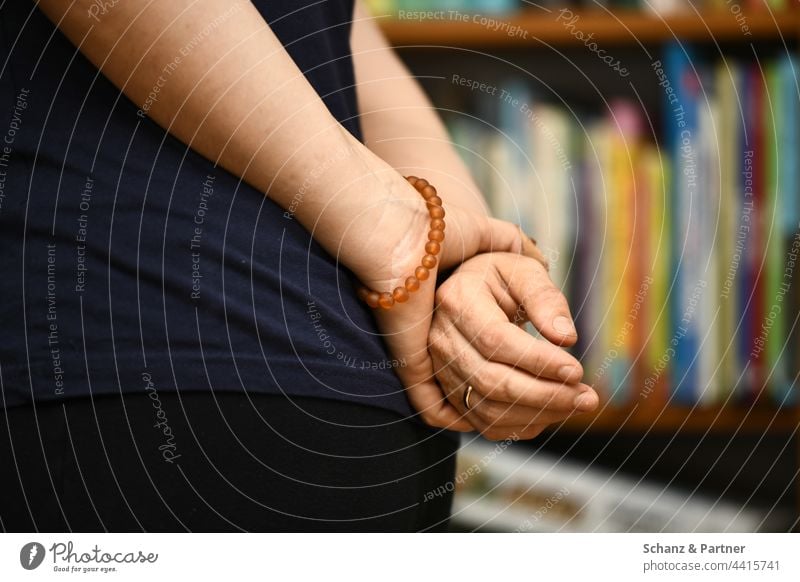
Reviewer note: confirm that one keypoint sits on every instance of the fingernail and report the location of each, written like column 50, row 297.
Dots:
column 568, row 373
column 585, row 401
column 563, row 325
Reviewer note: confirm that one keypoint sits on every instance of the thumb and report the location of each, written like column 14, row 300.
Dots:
column 502, row 236
column 529, row 285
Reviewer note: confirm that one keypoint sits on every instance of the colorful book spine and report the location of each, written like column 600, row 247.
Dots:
column 681, row 139
column 728, row 81
column 686, row 258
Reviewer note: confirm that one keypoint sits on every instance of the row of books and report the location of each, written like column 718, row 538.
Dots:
column 677, row 241
column 663, row 7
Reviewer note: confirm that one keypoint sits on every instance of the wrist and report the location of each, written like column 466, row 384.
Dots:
column 368, row 216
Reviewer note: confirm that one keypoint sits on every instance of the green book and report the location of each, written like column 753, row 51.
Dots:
column 775, row 329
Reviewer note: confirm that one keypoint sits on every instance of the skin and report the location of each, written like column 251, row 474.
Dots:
column 238, row 99
column 521, row 384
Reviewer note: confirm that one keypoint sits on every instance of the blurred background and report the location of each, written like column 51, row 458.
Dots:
column 653, row 150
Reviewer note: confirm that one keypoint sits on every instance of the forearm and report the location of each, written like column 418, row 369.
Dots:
column 236, row 97
column 398, row 121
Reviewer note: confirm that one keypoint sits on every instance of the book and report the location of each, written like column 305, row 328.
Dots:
column 681, row 143
column 678, row 256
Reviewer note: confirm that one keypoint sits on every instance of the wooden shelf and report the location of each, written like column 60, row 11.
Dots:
column 677, row 419
column 628, row 27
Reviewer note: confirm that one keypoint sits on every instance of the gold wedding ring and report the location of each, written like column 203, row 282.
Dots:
column 467, row 394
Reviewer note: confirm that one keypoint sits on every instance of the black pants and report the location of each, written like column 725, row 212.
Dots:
column 227, row 463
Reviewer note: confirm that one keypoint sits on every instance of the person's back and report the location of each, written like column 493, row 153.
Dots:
column 127, row 253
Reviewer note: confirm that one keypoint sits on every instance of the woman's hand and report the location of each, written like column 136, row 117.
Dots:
column 520, row 384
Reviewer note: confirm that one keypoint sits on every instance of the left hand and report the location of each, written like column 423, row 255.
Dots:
column 520, row 384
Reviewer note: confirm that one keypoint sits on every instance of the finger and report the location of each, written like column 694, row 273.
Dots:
column 504, row 342
column 405, row 331
column 529, row 285
column 497, row 420
column 506, row 237
column 427, row 397
column 435, row 410
column 504, row 383
column 531, row 250
column 514, row 433
column 494, row 414
column 485, row 324
column 502, row 236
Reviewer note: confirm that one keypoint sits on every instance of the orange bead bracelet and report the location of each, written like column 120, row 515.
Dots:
column 432, row 247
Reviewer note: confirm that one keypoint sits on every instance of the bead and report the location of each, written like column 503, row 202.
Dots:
column 400, row 295
column 428, row 261
column 436, row 212
column 372, row 298
column 386, row 300
column 435, row 201
column 432, row 247
column 428, row 192
column 436, row 235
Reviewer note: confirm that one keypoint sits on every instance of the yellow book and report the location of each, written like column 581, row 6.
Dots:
column 621, row 257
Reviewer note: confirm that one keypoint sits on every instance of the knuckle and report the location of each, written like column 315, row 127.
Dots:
column 459, row 359
column 535, row 356
column 438, row 344
column 550, row 294
column 483, row 381
column 485, row 411
column 549, row 394
column 503, row 391
column 448, row 297
column 490, row 339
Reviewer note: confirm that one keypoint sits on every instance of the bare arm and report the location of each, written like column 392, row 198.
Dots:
column 236, row 97
column 399, row 123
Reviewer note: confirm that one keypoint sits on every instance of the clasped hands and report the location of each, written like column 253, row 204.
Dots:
column 467, row 332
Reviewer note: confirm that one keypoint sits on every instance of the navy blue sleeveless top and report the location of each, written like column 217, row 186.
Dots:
column 130, row 263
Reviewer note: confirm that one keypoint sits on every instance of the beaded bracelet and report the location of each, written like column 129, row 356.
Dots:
column 432, row 247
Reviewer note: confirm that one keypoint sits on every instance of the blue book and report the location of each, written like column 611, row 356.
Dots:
column 497, row 7
column 788, row 134
column 681, row 67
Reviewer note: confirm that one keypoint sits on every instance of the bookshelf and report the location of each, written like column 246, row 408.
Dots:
column 682, row 419
column 620, row 28
column 627, row 27
column 634, row 30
